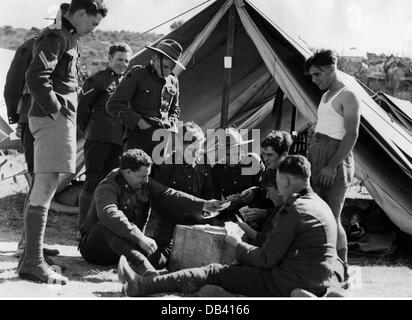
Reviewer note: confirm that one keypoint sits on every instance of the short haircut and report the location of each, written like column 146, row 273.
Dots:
column 269, row 178
column 280, row 141
column 195, row 132
column 119, row 47
column 295, row 165
column 134, row 159
column 321, row 58
column 92, row 7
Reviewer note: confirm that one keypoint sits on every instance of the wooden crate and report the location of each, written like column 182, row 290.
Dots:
column 196, row 246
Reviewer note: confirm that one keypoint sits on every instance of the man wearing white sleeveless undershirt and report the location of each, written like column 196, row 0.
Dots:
column 336, row 132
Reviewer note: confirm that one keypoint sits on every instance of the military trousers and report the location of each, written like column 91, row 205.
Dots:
column 143, row 139
column 100, row 159
column 102, row 247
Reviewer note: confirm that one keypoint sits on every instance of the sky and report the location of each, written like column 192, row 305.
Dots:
column 379, row 26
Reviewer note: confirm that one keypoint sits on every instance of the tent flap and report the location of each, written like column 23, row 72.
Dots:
column 264, row 59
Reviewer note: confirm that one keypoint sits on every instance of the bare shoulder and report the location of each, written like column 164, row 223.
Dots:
column 349, row 96
column 349, row 100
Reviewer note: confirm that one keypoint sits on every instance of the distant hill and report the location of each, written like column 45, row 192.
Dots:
column 92, row 45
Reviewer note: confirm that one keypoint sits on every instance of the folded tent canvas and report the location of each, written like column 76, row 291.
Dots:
column 265, row 58
column 400, row 110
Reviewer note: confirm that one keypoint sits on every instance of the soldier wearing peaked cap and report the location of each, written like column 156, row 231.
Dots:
column 52, row 82
column 299, row 252
column 148, row 97
column 103, row 133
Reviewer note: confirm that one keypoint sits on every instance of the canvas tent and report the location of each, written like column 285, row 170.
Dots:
column 399, row 110
column 265, row 59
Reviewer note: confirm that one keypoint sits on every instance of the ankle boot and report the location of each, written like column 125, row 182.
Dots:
column 40, row 272
column 143, row 267
column 183, row 281
column 138, row 260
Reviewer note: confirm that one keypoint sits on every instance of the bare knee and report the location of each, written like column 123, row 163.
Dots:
column 44, row 187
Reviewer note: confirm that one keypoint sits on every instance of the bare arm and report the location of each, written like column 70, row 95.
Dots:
column 351, row 118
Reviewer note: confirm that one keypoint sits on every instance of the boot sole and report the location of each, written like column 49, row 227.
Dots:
column 30, row 277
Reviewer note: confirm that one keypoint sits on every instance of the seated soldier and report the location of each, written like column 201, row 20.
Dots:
column 274, row 148
column 299, row 252
column 229, row 180
column 120, row 209
column 181, row 172
column 257, row 234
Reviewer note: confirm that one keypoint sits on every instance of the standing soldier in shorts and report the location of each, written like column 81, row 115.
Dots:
column 52, row 81
column 103, row 133
column 18, row 101
column 336, row 133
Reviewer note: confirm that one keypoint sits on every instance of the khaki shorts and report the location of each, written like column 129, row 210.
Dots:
column 54, row 144
column 321, row 150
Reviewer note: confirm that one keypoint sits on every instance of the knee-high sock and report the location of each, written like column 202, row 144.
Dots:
column 85, row 200
column 36, row 220
column 22, row 242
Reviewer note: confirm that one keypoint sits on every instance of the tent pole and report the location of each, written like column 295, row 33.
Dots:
column 293, row 122
column 277, row 111
column 228, row 69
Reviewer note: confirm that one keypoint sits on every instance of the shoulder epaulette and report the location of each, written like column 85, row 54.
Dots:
column 98, row 74
column 137, row 66
column 134, row 69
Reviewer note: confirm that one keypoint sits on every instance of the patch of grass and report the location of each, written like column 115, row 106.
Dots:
column 11, row 211
column 61, row 228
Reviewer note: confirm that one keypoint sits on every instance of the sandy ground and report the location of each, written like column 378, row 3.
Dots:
column 372, row 277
